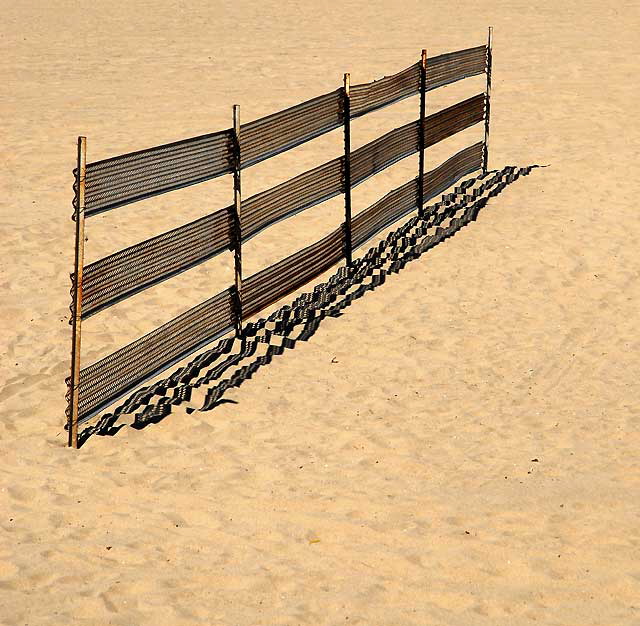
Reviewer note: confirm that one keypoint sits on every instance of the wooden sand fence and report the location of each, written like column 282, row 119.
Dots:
column 105, row 185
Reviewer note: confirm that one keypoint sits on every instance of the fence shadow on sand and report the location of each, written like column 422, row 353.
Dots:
column 268, row 337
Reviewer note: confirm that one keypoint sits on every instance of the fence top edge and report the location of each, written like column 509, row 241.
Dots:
column 171, row 144
column 378, row 80
column 90, row 212
column 447, row 55
column 249, row 125
column 439, row 58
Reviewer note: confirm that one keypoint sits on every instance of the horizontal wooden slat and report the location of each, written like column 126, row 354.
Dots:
column 149, row 262
column 275, row 133
column 130, row 177
column 280, row 279
column 403, row 200
column 109, row 378
column 286, row 199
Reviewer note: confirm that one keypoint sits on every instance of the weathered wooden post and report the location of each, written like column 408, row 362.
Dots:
column 237, row 218
column 76, row 320
column 487, row 109
column 346, row 107
column 421, row 138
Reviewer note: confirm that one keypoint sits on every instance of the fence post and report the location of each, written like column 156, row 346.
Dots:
column 76, row 320
column 237, row 218
column 421, row 142
column 485, row 155
column 346, row 107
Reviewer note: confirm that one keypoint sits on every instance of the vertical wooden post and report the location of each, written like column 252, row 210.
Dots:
column 421, row 138
column 347, row 168
column 77, row 292
column 237, row 215
column 485, row 153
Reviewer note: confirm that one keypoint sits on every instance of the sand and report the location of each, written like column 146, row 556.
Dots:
column 460, row 447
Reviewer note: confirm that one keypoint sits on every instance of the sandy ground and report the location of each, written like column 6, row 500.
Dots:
column 382, row 473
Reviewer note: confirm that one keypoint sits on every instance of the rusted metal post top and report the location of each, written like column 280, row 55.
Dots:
column 236, row 118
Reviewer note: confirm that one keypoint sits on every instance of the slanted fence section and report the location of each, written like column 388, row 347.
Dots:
column 105, row 185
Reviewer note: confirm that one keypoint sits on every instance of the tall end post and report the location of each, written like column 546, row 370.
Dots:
column 237, row 218
column 76, row 319
column 347, row 169
column 487, row 107
column 421, row 132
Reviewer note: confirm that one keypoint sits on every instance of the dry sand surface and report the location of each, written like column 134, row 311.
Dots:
column 382, row 473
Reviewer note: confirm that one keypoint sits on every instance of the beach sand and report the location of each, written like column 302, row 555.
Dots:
column 459, row 448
